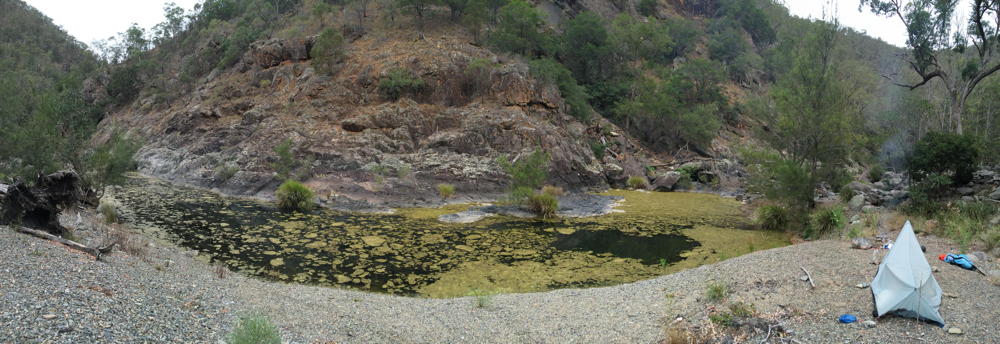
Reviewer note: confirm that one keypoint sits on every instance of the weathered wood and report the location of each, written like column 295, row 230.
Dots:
column 808, row 277
column 94, row 251
column 38, row 206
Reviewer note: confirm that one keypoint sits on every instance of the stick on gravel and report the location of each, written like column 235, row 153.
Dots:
column 808, row 277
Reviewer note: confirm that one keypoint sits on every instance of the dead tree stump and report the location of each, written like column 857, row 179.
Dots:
column 38, row 206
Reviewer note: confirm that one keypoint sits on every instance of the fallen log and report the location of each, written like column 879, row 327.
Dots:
column 96, row 252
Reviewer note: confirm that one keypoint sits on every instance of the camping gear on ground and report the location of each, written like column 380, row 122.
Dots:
column 847, row 318
column 961, row 260
column 904, row 284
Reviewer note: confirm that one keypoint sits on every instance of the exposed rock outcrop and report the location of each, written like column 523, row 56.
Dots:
column 351, row 142
column 272, row 52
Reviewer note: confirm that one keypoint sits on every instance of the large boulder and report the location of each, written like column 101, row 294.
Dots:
column 856, row 202
column 272, row 52
column 995, row 195
column 666, row 181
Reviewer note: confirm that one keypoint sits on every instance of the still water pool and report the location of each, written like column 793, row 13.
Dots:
column 412, row 253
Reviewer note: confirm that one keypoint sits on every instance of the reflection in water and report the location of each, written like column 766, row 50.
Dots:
column 412, row 253
column 660, row 248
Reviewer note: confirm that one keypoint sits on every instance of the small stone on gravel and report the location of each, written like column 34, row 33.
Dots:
column 954, row 330
column 869, row 323
column 49, row 316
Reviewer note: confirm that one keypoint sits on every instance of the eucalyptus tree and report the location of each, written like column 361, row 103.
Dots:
column 959, row 59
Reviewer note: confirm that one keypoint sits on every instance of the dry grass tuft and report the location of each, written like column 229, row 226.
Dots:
column 124, row 240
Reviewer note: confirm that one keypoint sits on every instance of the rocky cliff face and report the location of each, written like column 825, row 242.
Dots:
column 352, row 142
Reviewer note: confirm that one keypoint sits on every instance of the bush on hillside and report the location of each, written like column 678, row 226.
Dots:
column 446, row 190
column 527, row 174
column 647, row 7
column 924, row 195
column 328, row 51
column 947, row 154
column 875, row 173
column 108, row 163
column 400, row 82
column 293, row 196
column 254, row 329
column 575, row 95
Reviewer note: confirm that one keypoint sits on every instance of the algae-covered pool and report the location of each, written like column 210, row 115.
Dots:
column 412, row 253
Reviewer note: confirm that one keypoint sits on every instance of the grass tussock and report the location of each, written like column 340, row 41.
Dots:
column 445, row 190
column 293, row 196
column 772, row 217
column 543, row 205
column 108, row 211
column 637, row 183
column 254, row 329
column 716, row 291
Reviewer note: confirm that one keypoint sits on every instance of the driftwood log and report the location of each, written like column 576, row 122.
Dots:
column 94, row 251
column 38, row 206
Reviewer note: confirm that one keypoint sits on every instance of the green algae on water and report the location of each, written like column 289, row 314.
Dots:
column 411, row 253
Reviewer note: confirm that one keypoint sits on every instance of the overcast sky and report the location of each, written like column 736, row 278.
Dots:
column 90, row 20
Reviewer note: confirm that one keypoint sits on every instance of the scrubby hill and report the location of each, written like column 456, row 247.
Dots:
column 396, row 96
column 41, row 68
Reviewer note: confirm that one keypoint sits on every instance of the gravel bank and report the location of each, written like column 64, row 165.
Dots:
column 55, row 295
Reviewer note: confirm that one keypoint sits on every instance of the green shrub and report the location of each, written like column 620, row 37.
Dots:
column 947, row 154
column 446, row 190
column 576, row 96
column 293, row 196
column 226, row 172
column 981, row 212
column 328, row 51
column 824, row 221
column 716, row 291
column 286, row 160
column 773, row 217
column 647, row 7
column 543, row 205
column 254, row 329
column 108, row 211
column 684, row 182
column 875, row 173
column 108, row 162
column 527, row 173
column 961, row 229
column 924, row 195
column 689, row 171
column 599, row 149
column 519, row 29
column 846, row 193
column 482, row 298
column 400, row 82
column 637, row 182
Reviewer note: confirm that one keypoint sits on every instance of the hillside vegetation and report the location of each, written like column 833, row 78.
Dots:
column 379, row 100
